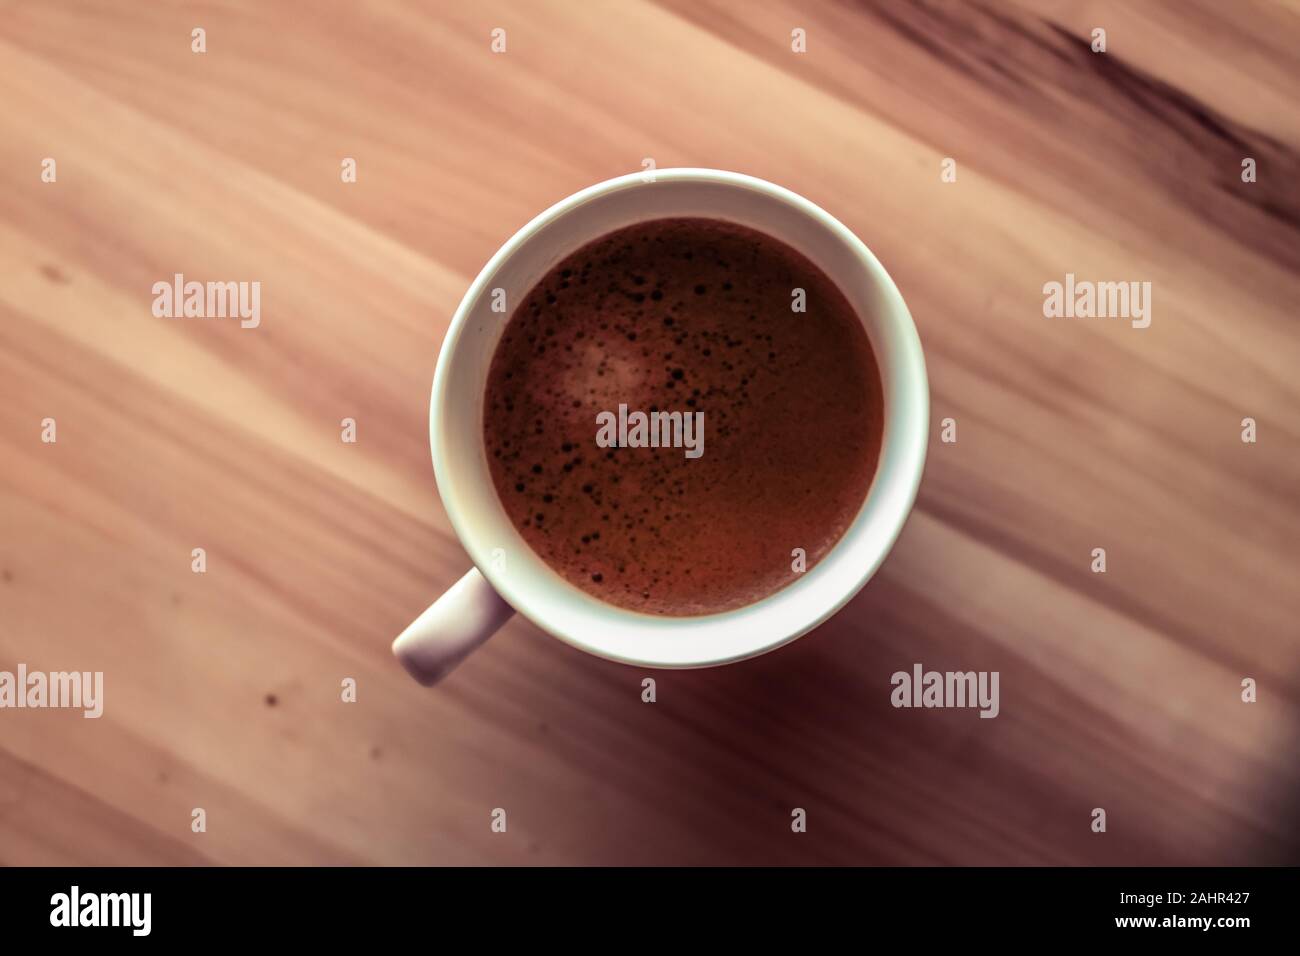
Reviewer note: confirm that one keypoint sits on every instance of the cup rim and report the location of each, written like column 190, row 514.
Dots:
column 908, row 361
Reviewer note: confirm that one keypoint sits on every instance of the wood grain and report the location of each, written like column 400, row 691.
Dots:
column 1119, row 690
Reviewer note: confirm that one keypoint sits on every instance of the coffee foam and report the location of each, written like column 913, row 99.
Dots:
column 683, row 315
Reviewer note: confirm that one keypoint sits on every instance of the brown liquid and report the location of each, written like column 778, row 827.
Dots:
column 683, row 315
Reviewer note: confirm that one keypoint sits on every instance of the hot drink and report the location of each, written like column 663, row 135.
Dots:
column 683, row 416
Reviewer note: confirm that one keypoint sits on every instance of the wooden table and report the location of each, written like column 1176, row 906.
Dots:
column 1119, row 690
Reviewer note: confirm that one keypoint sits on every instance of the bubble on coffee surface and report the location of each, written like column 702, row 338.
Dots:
column 683, row 315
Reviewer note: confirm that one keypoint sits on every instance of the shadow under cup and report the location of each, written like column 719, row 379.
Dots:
column 510, row 565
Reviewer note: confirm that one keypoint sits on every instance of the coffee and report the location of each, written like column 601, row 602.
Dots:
column 672, row 336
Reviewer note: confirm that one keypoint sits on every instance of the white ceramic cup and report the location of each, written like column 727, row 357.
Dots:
column 509, row 576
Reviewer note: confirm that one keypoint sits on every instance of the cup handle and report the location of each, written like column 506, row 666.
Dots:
column 450, row 628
